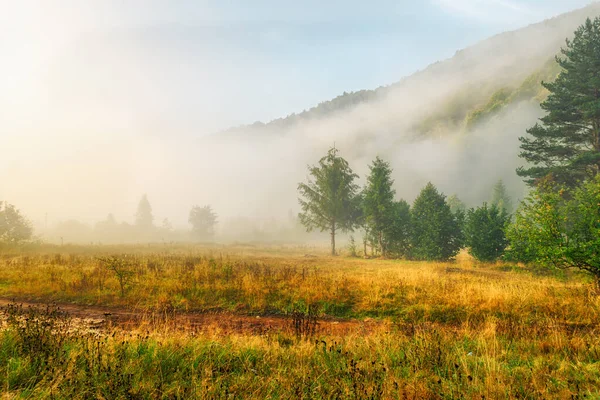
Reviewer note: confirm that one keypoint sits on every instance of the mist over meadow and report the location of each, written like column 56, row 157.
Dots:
column 122, row 111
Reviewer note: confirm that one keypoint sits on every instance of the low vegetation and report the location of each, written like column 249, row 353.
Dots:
column 437, row 330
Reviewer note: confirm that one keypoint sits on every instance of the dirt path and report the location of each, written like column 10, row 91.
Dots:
column 100, row 317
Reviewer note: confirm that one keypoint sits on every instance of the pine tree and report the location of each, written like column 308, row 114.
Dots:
column 484, row 232
column 500, row 198
column 378, row 201
column 329, row 201
column 143, row 216
column 566, row 144
column 435, row 231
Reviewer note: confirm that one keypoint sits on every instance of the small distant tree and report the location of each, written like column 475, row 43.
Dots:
column 485, row 232
column 203, row 221
column 435, row 230
column 14, row 227
column 143, row 217
column 123, row 270
column 397, row 234
column 378, row 201
column 329, row 201
column 352, row 248
column 500, row 198
column 456, row 204
column 557, row 228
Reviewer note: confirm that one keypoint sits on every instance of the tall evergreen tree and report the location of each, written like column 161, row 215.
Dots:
column 500, row 197
column 566, row 144
column 329, row 201
column 378, row 201
column 143, row 216
column 436, row 233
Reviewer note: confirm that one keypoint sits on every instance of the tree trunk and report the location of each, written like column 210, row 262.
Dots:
column 381, row 244
column 596, row 128
column 365, row 254
column 333, row 238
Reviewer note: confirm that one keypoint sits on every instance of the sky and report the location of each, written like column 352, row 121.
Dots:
column 310, row 50
column 102, row 101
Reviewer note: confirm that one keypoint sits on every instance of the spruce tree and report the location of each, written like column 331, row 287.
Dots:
column 329, row 201
column 566, row 145
column 436, row 233
column 143, row 216
column 500, row 197
column 378, row 201
column 484, row 232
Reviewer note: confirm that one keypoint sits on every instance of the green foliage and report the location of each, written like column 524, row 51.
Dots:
column 497, row 101
column 352, row 247
column 378, row 201
column 484, row 232
column 143, row 216
column 567, row 142
column 555, row 228
column 123, row 270
column 203, row 221
column 500, row 198
column 456, row 204
column 532, row 89
column 397, row 234
column 435, row 230
column 14, row 227
column 330, row 201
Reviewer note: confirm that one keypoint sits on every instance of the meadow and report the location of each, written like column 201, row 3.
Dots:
column 302, row 325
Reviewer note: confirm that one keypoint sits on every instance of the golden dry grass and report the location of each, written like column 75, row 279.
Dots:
column 435, row 330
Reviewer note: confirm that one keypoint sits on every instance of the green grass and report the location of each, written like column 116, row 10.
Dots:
column 441, row 330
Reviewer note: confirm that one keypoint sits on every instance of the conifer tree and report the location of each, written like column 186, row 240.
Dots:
column 456, row 204
column 329, row 200
column 566, row 144
column 500, row 197
column 397, row 234
column 203, row 221
column 485, row 232
column 435, row 231
column 378, row 201
column 143, row 216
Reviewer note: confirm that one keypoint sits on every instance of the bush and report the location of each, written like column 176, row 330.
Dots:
column 559, row 229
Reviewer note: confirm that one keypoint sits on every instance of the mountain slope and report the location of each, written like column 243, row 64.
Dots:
column 468, row 87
